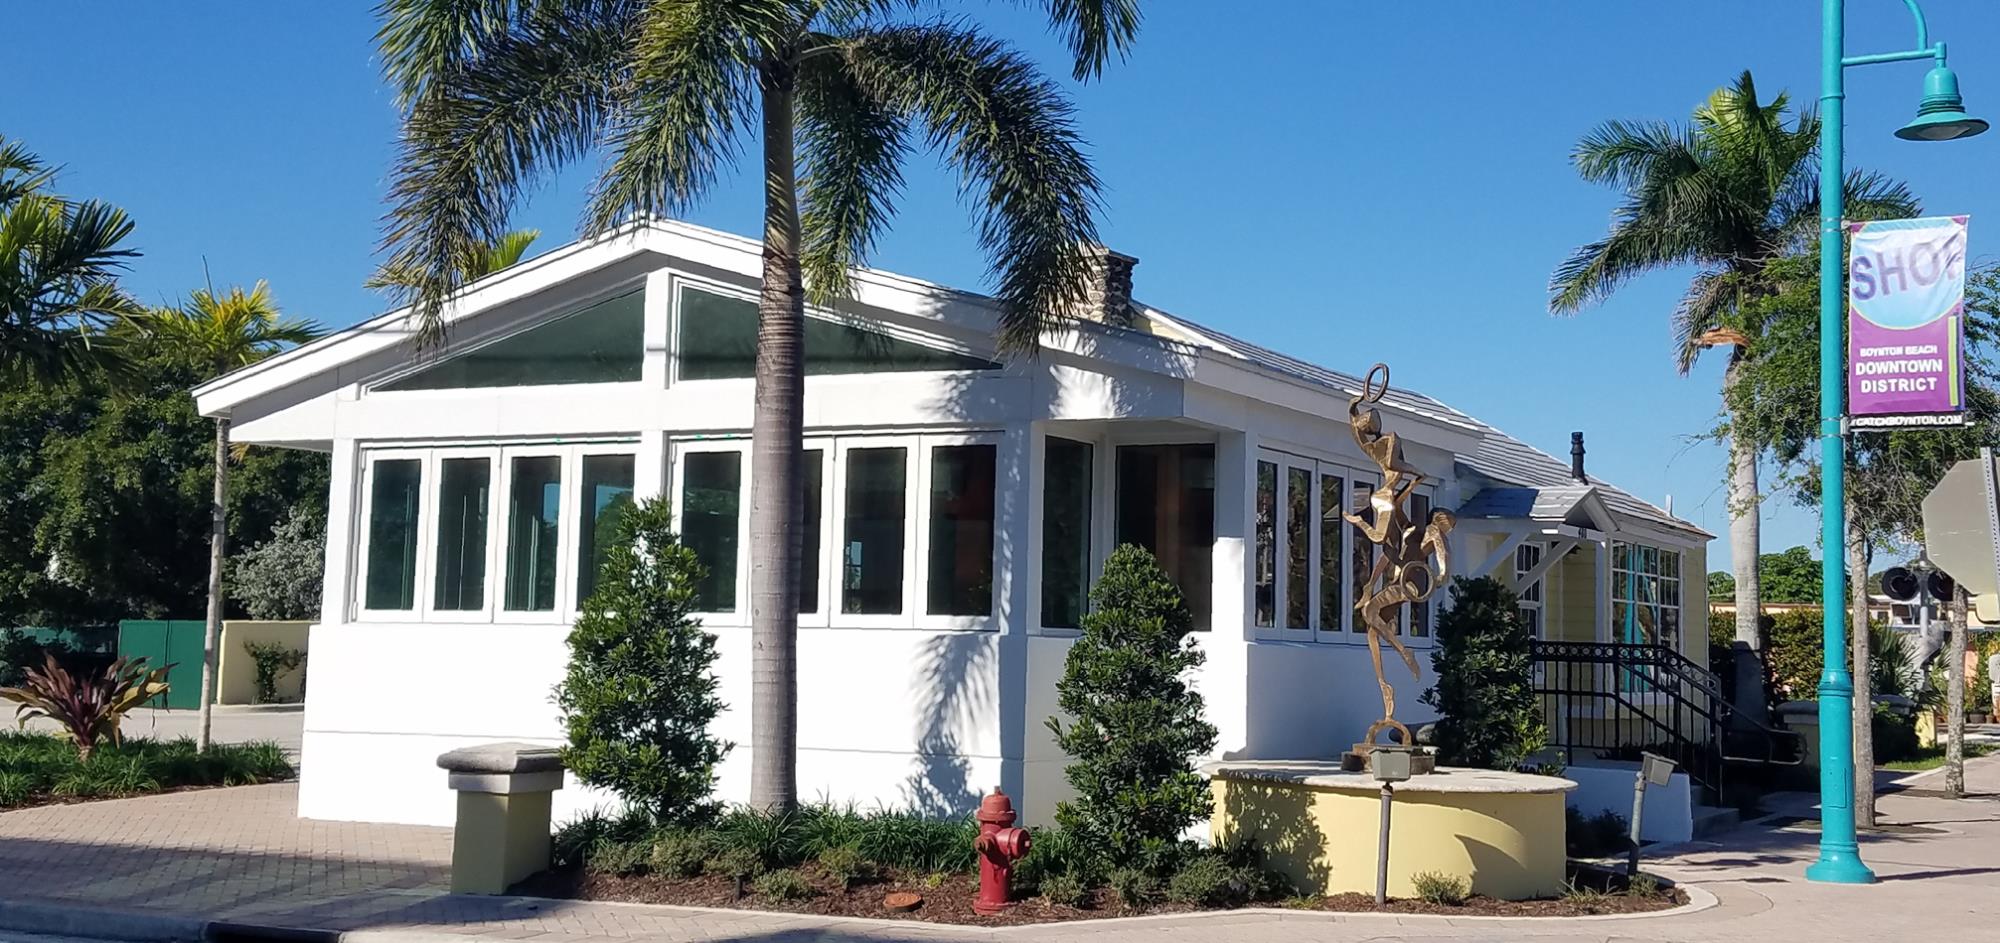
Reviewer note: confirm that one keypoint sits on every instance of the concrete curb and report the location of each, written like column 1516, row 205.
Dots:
column 99, row 923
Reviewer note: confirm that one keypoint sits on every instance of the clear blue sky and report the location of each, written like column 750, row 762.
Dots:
column 1347, row 181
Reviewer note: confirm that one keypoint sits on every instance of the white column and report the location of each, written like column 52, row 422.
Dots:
column 1225, row 680
column 343, row 509
column 1604, row 627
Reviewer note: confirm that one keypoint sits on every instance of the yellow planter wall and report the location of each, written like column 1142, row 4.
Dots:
column 236, row 671
column 1510, row 845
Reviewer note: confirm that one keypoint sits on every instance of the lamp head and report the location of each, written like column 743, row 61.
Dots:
column 1941, row 116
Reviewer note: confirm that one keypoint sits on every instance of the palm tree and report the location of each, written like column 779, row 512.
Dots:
column 217, row 333
column 58, row 265
column 499, row 254
column 1728, row 194
column 839, row 92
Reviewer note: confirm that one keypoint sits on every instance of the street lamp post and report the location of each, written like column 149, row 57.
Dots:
column 1941, row 117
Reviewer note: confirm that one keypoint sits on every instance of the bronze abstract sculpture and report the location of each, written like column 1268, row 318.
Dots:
column 1403, row 573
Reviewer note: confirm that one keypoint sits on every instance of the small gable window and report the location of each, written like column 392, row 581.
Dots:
column 717, row 340
column 603, row 343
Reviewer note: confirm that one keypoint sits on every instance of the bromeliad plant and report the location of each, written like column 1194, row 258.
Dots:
column 88, row 706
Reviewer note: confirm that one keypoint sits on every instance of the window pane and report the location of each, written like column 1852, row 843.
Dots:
column 534, row 504
column 872, row 563
column 717, row 339
column 1419, row 618
column 1066, row 489
column 1298, row 547
column 1267, row 543
column 461, row 533
column 711, row 499
column 809, row 541
column 1166, row 503
column 604, row 343
column 392, row 534
column 1332, row 532
column 1363, row 560
column 961, row 531
column 607, row 493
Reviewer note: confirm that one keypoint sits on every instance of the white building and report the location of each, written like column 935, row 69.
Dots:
column 960, row 504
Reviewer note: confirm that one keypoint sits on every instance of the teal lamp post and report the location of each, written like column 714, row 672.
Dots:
column 1941, row 117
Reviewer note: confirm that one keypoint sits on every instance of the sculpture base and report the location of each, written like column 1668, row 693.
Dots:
column 1356, row 760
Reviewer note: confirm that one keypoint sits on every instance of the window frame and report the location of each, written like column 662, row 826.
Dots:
column 495, row 533
column 567, row 497
column 1095, row 537
column 914, row 521
column 678, row 450
column 916, row 590
column 1540, row 587
column 1279, row 629
column 679, row 283
column 363, row 524
column 574, row 487
column 543, row 317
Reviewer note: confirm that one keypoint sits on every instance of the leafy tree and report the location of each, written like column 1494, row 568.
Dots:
column 1792, row 576
column 1728, row 193
column 498, row 93
column 1136, row 725
column 1489, row 716
column 59, row 262
column 281, row 578
column 1721, row 585
column 640, row 692
column 218, row 333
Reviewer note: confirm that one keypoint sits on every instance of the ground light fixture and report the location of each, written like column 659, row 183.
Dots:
column 1941, row 117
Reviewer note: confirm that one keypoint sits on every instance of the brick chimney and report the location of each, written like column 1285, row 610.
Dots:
column 1107, row 297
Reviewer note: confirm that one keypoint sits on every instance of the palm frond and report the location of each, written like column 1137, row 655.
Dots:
column 21, row 171
column 1007, row 130
column 1094, row 30
column 424, row 40
column 509, row 249
column 1637, row 244
column 1705, row 307
column 853, row 147
column 528, row 100
column 1624, row 153
column 220, row 331
column 58, row 291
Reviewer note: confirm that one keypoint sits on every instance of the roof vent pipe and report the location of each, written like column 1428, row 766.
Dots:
column 1576, row 458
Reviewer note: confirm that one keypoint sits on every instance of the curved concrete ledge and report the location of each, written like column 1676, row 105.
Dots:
column 1329, row 775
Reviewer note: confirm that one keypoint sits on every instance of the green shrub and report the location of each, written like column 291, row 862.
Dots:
column 1054, row 852
column 1434, row 887
column 1595, row 836
column 578, row 841
column 680, row 854
column 16, row 788
column 1895, row 735
column 270, row 661
column 784, row 884
column 281, row 577
column 827, row 826
column 1209, row 880
column 1064, row 890
column 1136, row 724
column 619, row 858
column 1134, row 887
column 38, row 766
column 736, row 862
column 845, row 865
column 1489, row 716
column 639, row 697
column 1642, row 885
column 777, row 839
column 912, row 842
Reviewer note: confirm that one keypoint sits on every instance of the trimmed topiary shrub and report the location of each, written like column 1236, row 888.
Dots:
column 1137, row 726
column 640, row 693
column 1489, row 716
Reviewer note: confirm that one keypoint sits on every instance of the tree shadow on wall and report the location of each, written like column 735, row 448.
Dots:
column 1279, row 822
column 956, row 672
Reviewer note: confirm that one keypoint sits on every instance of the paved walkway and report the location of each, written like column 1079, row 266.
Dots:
column 241, row 855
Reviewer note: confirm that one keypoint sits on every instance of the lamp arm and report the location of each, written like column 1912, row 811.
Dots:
column 1925, row 49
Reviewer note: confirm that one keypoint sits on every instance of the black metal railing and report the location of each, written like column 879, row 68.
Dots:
column 1613, row 700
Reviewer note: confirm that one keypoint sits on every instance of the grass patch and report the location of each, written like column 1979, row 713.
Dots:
column 1933, row 757
column 37, row 768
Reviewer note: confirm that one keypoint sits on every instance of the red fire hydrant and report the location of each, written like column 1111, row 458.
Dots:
column 999, row 844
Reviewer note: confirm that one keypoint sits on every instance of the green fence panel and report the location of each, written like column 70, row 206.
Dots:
column 175, row 642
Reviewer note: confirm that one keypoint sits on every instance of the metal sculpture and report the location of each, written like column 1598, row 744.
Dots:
column 1403, row 572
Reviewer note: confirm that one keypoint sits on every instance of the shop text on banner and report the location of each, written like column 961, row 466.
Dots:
column 1906, row 317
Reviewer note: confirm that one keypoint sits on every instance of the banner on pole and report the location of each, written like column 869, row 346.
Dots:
column 1906, row 322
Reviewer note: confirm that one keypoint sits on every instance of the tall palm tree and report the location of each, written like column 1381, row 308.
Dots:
column 59, row 262
column 1726, row 194
column 499, row 92
column 218, row 333
column 501, row 253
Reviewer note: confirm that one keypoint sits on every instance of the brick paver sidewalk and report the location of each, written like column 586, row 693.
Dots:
column 241, row 855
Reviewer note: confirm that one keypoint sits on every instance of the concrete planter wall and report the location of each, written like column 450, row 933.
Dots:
column 236, row 674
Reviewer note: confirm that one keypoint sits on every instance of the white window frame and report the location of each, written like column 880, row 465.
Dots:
column 829, row 520
column 681, row 282
column 677, row 461
column 1539, row 603
column 836, row 544
column 919, row 587
column 1338, row 633
column 365, row 531
column 574, row 488
column 1279, row 629
column 1100, row 534
column 566, row 494
column 565, row 308
column 433, row 490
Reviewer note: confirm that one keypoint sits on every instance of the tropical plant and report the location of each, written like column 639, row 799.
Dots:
column 498, row 93
column 270, row 661
column 1437, row 887
column 86, row 706
column 281, row 577
column 1727, row 194
column 219, row 333
column 59, row 262
column 1489, row 716
column 1136, row 725
column 640, row 693
column 508, row 249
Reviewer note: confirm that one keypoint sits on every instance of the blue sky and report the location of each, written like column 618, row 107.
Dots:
column 1347, row 181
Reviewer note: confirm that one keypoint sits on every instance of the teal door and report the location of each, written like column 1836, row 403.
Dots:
column 175, row 642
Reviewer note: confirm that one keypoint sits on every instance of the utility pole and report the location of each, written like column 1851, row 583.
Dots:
column 1954, row 709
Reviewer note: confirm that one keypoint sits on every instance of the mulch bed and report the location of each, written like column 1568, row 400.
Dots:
column 948, row 899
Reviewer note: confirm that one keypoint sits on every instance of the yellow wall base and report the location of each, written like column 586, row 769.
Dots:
column 499, row 840
column 1508, row 845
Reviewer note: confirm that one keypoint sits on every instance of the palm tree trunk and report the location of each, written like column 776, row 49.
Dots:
column 1954, row 702
column 1858, row 639
column 777, row 495
column 1744, row 545
column 217, row 532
